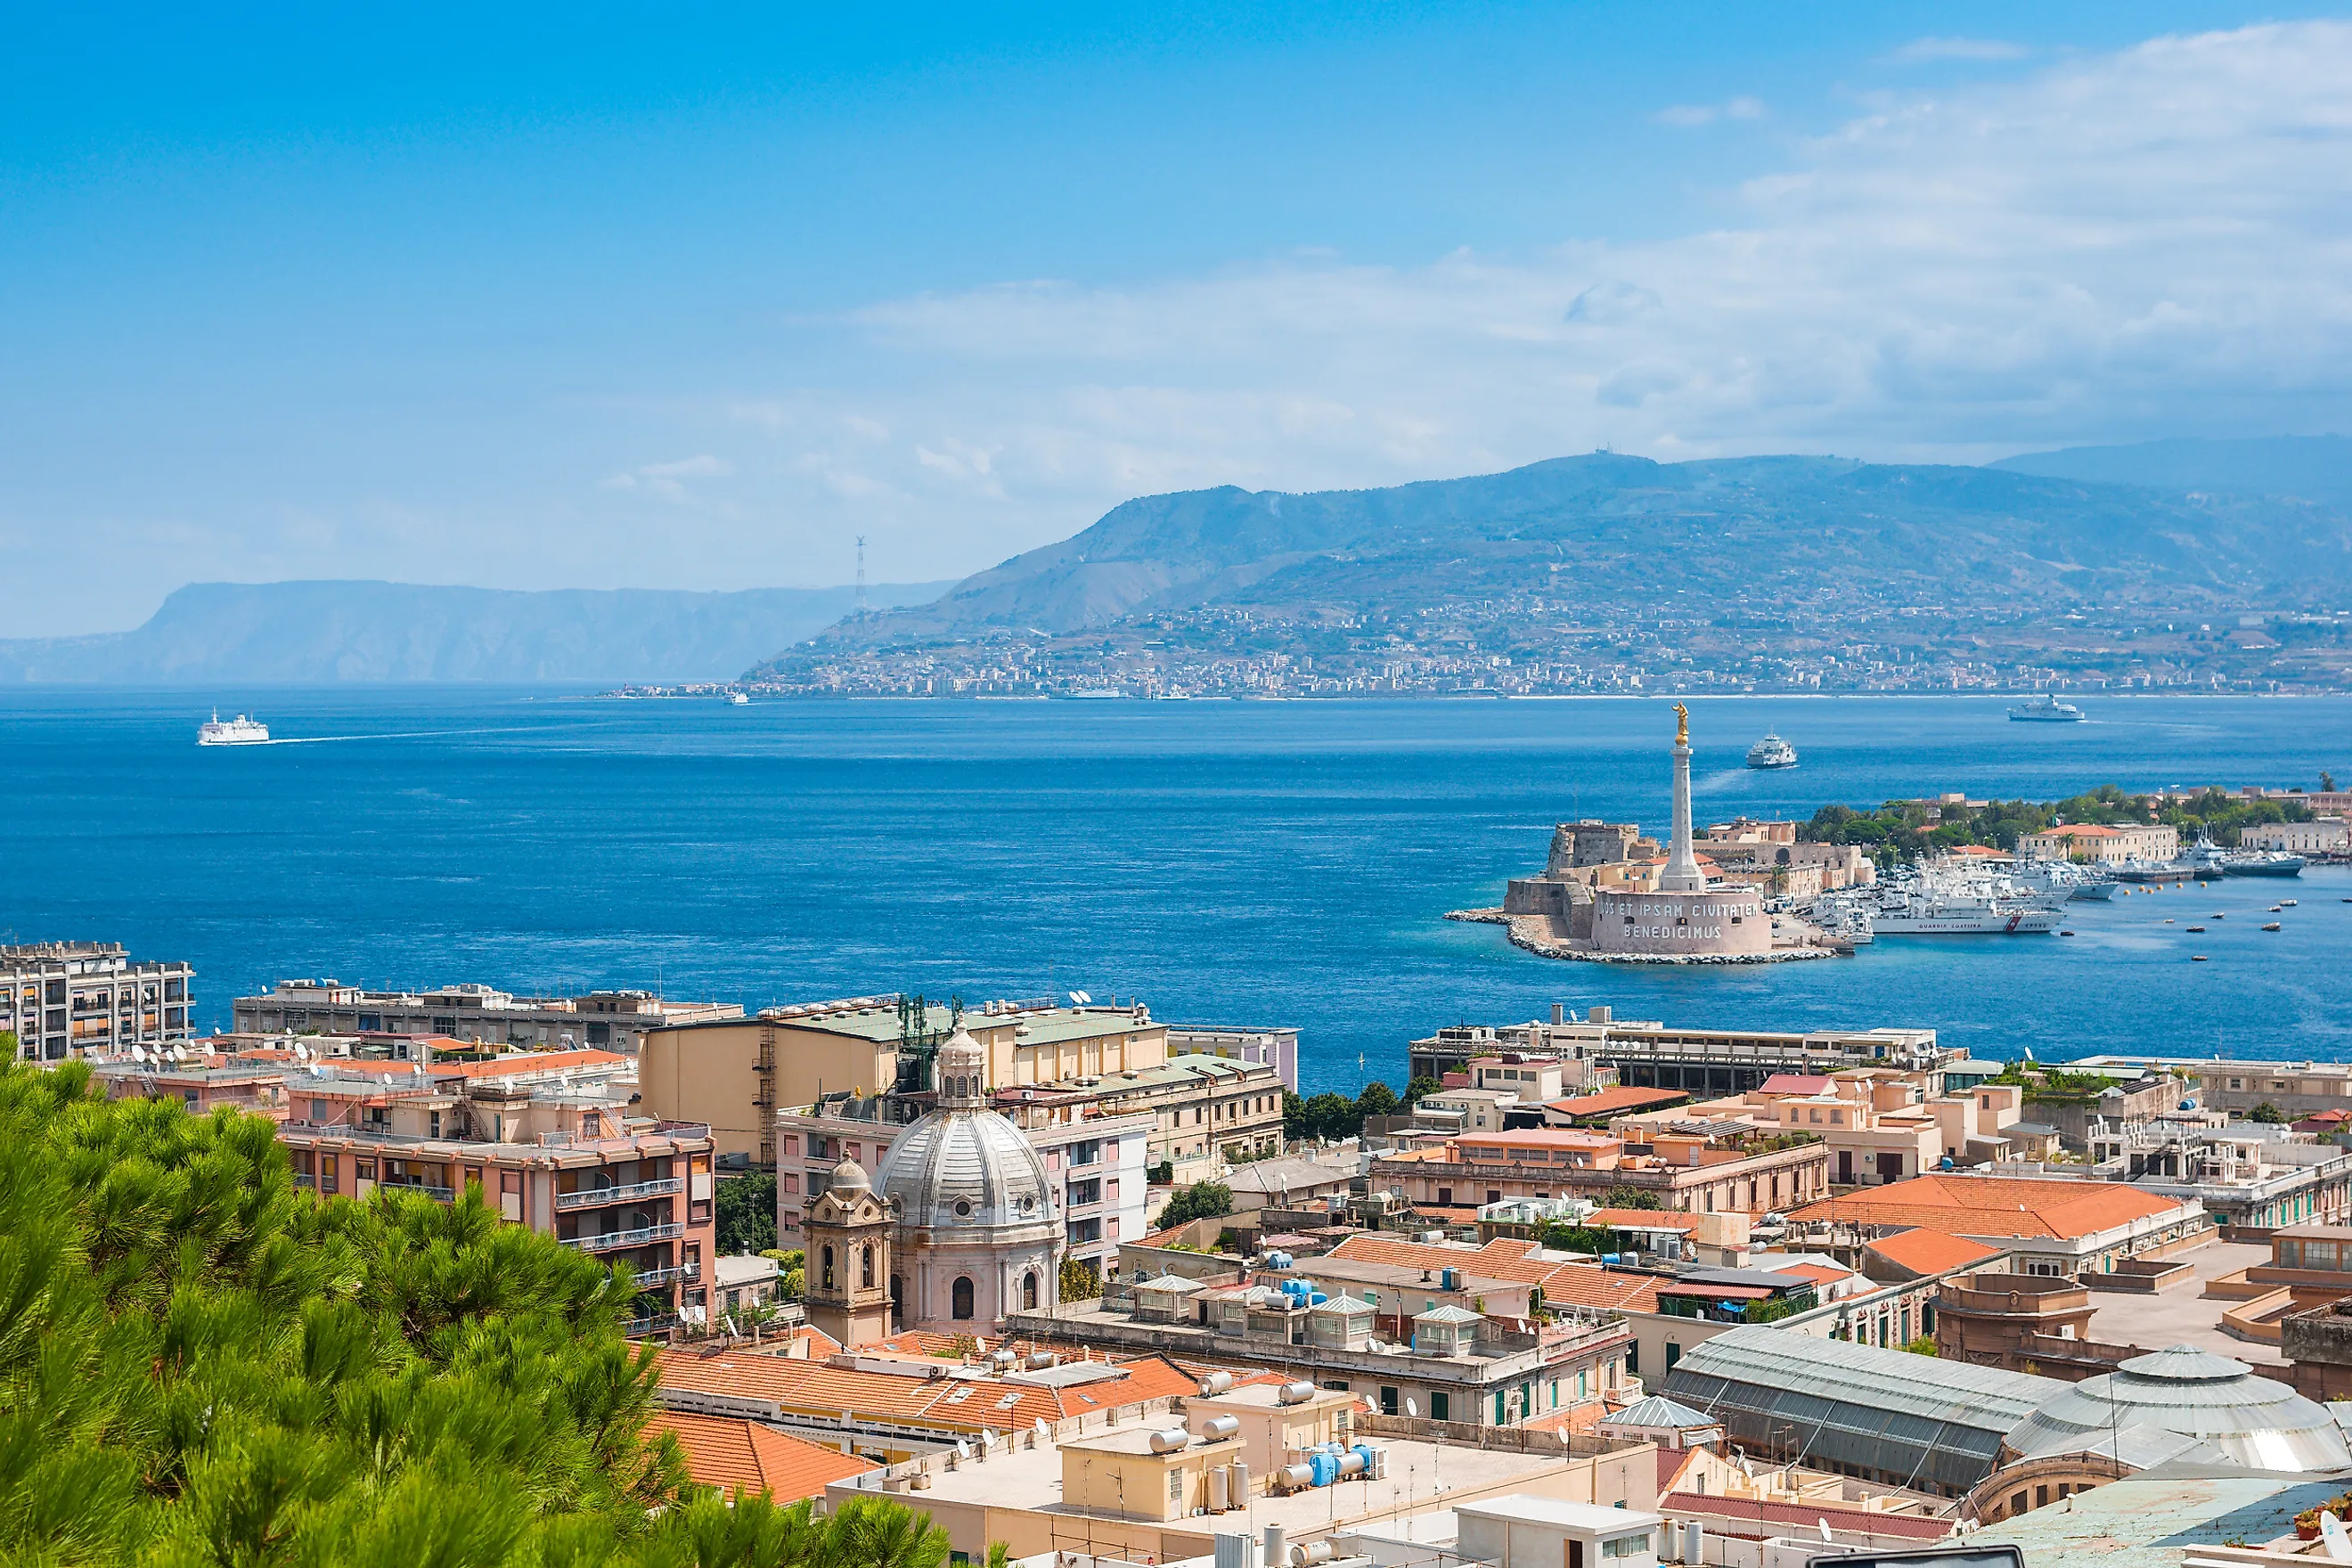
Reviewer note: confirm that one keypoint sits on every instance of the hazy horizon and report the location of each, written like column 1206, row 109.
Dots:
column 541, row 302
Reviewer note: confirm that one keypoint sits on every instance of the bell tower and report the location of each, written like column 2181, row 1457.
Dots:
column 848, row 1268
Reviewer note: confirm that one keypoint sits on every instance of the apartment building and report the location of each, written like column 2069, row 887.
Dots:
column 606, row 1020
column 1705, row 1173
column 1068, row 1060
column 546, row 1151
column 736, row 1075
column 1600, row 1051
column 61, row 999
column 1276, row 1048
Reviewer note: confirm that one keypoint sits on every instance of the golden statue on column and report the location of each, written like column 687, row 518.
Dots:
column 1682, row 725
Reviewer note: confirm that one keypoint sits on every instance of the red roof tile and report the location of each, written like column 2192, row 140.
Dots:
column 1610, row 1101
column 746, row 1456
column 1924, row 1251
column 2063, row 1207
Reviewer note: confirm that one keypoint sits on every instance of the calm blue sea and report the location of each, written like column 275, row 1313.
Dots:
column 1231, row 863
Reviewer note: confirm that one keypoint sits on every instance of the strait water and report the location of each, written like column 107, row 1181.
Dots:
column 1230, row 863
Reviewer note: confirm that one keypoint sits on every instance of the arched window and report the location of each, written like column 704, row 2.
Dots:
column 1029, row 1291
column 866, row 1267
column 828, row 1268
column 960, row 1298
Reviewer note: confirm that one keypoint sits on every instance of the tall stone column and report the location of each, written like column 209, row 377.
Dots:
column 1681, row 874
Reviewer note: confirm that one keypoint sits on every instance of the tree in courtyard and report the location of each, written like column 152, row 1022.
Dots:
column 1294, row 1117
column 1332, row 1117
column 1201, row 1200
column 201, row 1364
column 746, row 1212
column 1622, row 1197
column 1378, row 1100
column 2267, row 1113
column 1421, row 1088
column 1081, row 1278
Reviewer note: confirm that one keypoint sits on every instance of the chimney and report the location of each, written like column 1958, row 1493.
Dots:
column 1559, row 1012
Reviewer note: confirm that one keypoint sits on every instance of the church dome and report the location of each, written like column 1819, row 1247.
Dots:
column 848, row 1179
column 963, row 1166
column 2221, row 1403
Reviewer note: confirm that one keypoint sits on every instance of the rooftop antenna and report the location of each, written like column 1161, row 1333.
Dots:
column 861, row 573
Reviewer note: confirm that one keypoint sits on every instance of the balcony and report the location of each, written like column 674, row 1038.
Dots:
column 590, row 1197
column 614, row 1241
column 669, row 1274
column 440, row 1195
column 659, row 1323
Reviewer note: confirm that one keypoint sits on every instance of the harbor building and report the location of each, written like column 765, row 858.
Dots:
column 2102, row 844
column 61, row 999
column 2053, row 1225
column 604, row 1020
column 2325, row 836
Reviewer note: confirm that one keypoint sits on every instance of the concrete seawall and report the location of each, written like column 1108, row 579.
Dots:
column 1546, row 936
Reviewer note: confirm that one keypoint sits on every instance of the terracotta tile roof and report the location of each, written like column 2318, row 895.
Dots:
column 1611, row 1100
column 1576, row 1284
column 1925, row 1251
column 1797, row 1083
column 1670, row 1464
column 2060, row 1207
column 526, row 1061
column 948, row 1404
column 746, row 1456
column 1807, row 1515
column 1819, row 1273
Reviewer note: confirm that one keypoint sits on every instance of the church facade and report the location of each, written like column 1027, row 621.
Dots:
column 957, row 1227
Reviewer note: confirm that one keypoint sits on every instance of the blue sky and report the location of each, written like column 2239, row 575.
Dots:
column 582, row 297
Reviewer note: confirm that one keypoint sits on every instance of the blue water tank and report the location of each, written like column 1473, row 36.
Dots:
column 1316, row 1299
column 1325, row 1466
column 1612, row 1258
column 1448, row 1279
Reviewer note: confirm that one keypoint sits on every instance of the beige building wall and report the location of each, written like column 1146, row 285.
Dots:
column 734, row 1076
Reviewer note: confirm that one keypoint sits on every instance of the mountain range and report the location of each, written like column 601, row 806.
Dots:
column 2176, row 523
column 302, row 633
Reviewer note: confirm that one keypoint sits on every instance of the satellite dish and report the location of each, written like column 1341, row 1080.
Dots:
column 987, row 1437
column 2334, row 1538
column 1826, row 1535
column 1412, row 1409
column 1077, row 998
column 1044, row 1430
column 1087, row 997
column 318, row 1069
column 964, row 1449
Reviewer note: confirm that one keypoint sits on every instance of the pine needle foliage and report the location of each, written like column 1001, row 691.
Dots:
column 203, row 1364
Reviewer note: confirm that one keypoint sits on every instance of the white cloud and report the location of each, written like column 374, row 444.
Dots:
column 2151, row 242
column 667, row 481
column 1919, row 51
column 1696, row 114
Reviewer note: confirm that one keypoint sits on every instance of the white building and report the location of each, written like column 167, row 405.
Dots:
column 2326, row 835
column 62, row 998
column 607, row 1020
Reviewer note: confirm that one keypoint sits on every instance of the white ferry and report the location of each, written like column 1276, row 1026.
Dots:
column 237, row 731
column 2047, row 710
column 1960, row 905
column 1771, row 752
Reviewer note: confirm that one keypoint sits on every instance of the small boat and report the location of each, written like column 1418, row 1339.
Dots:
column 2287, row 903
column 237, row 731
column 1771, row 752
column 2197, row 929
column 2168, row 920
column 2262, row 863
column 737, row 700
column 2065, row 933
column 2196, row 957
column 2273, row 926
